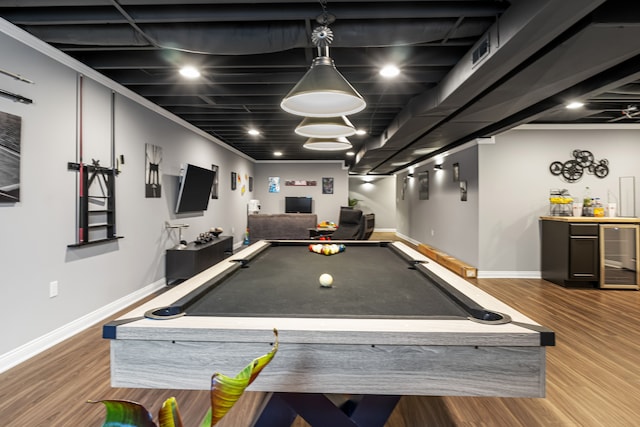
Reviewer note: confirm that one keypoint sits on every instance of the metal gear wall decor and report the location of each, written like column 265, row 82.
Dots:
column 583, row 160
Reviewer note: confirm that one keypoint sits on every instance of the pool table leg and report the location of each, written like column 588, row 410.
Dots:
column 319, row 411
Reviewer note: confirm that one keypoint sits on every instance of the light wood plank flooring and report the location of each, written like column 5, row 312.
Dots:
column 593, row 373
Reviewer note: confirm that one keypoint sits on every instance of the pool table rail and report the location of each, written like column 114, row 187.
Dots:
column 379, row 356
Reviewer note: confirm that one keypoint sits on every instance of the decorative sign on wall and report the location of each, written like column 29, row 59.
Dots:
column 583, row 160
column 301, row 183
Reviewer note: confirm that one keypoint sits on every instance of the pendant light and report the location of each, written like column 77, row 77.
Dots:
column 322, row 127
column 323, row 91
column 328, row 144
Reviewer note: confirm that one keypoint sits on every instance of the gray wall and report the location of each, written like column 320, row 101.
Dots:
column 497, row 229
column 443, row 221
column 515, row 183
column 325, row 206
column 35, row 232
column 376, row 194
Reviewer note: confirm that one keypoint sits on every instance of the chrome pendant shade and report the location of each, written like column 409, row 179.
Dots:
column 323, row 127
column 324, row 97
column 327, row 144
column 323, row 92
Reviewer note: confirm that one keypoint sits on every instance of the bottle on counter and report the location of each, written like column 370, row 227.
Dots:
column 598, row 208
column 587, row 203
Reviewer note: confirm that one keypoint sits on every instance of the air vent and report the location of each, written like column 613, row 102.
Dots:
column 481, row 51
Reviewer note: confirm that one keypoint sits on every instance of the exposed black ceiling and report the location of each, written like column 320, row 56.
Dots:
column 539, row 55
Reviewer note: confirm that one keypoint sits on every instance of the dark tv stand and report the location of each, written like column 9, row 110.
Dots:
column 181, row 264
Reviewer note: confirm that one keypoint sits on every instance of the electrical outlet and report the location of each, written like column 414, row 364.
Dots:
column 53, row 289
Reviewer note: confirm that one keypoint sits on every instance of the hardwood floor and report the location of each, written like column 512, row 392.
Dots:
column 593, row 373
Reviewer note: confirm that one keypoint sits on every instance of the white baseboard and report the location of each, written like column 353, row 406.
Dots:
column 384, row 230
column 40, row 344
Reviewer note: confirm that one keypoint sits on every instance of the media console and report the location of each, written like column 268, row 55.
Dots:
column 181, row 264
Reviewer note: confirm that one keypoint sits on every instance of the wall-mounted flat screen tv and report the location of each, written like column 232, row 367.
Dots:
column 195, row 189
column 298, row 205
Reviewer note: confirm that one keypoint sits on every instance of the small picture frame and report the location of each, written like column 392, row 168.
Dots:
column 250, row 184
column 234, row 180
column 214, row 187
column 327, row 185
column 463, row 191
column 274, row 184
column 153, row 160
column 456, row 172
column 423, row 185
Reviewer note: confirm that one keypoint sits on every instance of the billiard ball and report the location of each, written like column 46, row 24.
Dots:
column 326, row 280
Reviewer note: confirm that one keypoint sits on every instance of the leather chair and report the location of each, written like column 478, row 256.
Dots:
column 350, row 225
column 369, row 225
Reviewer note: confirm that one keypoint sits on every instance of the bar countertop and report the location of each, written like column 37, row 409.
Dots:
column 604, row 220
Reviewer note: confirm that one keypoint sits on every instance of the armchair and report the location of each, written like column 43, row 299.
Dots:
column 350, row 225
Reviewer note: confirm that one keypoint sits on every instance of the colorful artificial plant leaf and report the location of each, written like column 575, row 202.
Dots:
column 169, row 415
column 123, row 413
column 225, row 391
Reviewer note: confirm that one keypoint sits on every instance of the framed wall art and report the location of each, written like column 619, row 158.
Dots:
column 10, row 128
column 327, row 185
column 234, row 180
column 274, row 184
column 214, row 187
column 423, row 185
column 153, row 158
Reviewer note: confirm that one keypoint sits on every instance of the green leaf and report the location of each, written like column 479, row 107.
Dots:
column 225, row 391
column 206, row 421
column 123, row 413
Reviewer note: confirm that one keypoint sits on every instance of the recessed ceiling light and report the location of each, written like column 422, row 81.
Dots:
column 575, row 104
column 277, row 153
column 361, row 132
column 189, row 72
column 254, row 132
column 389, row 71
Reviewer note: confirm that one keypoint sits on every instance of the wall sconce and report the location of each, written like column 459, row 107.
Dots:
column 410, row 175
column 437, row 167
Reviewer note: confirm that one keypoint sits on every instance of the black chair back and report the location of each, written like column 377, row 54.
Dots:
column 350, row 225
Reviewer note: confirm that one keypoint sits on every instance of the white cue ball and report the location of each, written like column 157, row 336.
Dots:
column 326, row 280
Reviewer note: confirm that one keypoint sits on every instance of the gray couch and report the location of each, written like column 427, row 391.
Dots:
column 280, row 226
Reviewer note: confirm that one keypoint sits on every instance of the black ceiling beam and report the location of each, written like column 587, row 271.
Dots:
column 271, row 12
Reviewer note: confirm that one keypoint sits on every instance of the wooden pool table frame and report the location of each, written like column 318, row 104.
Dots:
column 331, row 355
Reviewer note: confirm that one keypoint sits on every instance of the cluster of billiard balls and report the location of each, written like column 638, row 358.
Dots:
column 326, row 249
column 325, row 279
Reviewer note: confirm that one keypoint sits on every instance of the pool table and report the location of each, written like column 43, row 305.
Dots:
column 394, row 323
